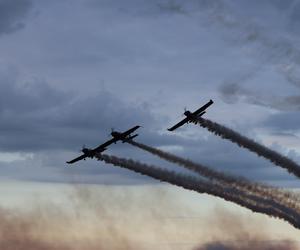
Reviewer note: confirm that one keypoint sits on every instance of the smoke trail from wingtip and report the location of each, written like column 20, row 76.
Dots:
column 271, row 155
column 255, row 204
column 283, row 197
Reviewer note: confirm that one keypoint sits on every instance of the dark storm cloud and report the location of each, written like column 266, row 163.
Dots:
column 35, row 116
column 12, row 14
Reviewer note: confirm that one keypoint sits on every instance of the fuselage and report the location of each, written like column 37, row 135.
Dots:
column 88, row 152
column 192, row 118
column 116, row 135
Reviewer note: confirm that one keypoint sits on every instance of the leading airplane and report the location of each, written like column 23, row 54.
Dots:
column 117, row 136
column 192, row 116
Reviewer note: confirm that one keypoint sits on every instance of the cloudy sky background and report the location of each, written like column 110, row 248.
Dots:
column 72, row 70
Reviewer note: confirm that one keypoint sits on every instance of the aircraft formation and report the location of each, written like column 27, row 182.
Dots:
column 265, row 199
column 191, row 117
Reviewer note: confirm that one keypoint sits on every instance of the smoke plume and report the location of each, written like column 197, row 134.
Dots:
column 249, row 244
column 244, row 142
column 97, row 217
column 192, row 183
column 234, row 235
column 283, row 197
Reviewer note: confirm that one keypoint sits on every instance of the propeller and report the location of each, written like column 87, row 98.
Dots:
column 185, row 109
column 112, row 130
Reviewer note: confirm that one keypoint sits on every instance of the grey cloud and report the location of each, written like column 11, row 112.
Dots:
column 231, row 93
column 28, row 97
column 138, row 56
column 68, row 124
column 92, row 172
column 234, row 92
column 37, row 117
column 288, row 121
column 294, row 10
column 12, row 14
column 139, row 6
column 292, row 74
column 172, row 6
column 261, row 25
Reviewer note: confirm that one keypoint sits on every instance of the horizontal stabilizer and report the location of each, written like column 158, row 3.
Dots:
column 130, row 138
column 133, row 136
column 202, row 113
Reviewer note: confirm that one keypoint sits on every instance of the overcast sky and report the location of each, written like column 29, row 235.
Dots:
column 70, row 70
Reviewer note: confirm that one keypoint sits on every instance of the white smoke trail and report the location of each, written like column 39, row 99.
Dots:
column 243, row 141
column 266, row 192
column 256, row 204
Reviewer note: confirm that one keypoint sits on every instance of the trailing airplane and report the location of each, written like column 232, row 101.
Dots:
column 90, row 153
column 192, row 116
column 117, row 136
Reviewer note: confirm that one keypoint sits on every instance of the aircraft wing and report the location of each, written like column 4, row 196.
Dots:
column 203, row 108
column 76, row 159
column 129, row 131
column 179, row 124
column 104, row 145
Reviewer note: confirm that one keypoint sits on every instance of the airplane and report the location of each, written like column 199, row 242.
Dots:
column 125, row 136
column 192, row 116
column 117, row 136
column 90, row 153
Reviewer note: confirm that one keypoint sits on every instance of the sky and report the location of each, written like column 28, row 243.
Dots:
column 68, row 77
column 71, row 70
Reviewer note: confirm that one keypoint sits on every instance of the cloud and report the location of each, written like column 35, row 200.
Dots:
column 100, row 217
column 155, row 58
column 249, row 244
column 38, row 118
column 265, row 30
column 288, row 121
column 235, row 233
column 235, row 92
column 172, row 6
column 12, row 15
column 35, row 116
